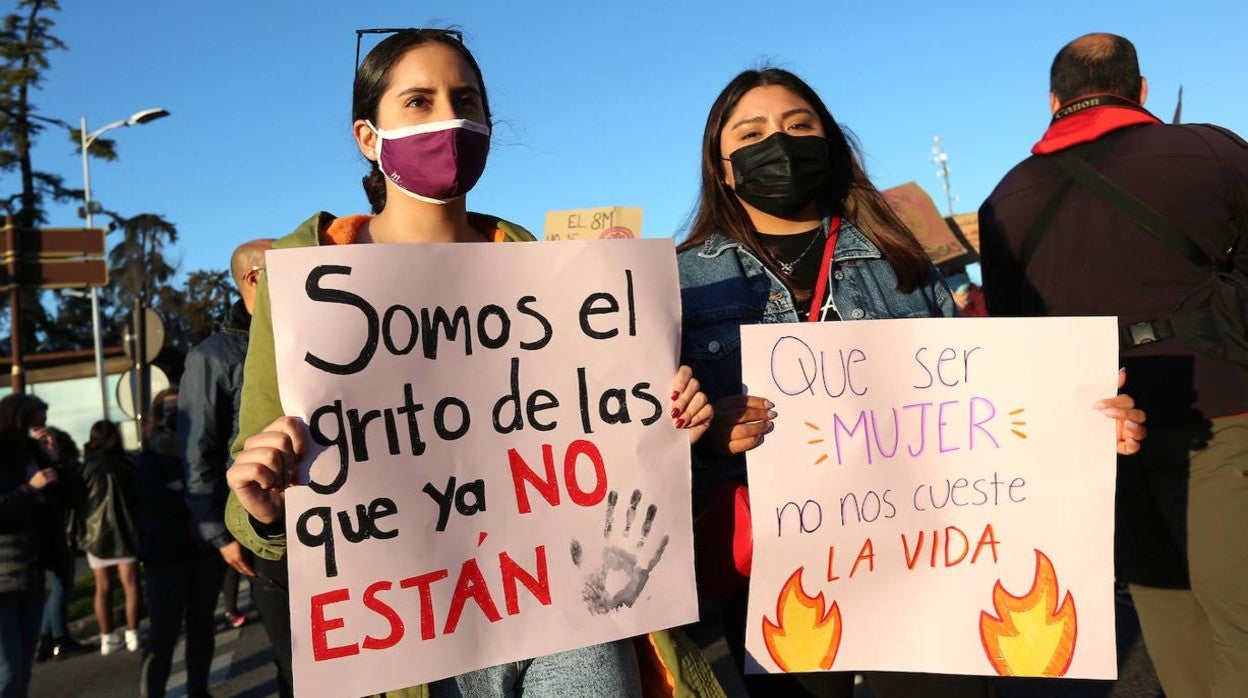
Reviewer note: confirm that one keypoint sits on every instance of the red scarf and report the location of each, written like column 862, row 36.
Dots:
column 1074, row 125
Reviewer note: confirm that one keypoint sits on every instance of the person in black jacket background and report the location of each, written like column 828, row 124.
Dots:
column 65, row 499
column 25, row 541
column 212, row 382
column 181, row 572
column 110, row 536
column 1182, row 502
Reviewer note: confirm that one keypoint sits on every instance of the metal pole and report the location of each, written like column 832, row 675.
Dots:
column 17, row 372
column 948, row 191
column 136, row 375
column 143, row 372
column 940, row 157
column 95, row 293
column 18, row 377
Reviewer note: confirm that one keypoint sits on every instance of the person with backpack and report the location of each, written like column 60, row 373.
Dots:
column 1116, row 213
column 111, row 531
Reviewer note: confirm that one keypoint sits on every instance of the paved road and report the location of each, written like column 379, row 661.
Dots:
column 242, row 666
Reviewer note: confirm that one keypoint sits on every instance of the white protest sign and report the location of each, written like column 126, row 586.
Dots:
column 495, row 475
column 937, row 496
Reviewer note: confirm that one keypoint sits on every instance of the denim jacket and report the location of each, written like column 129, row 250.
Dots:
column 724, row 286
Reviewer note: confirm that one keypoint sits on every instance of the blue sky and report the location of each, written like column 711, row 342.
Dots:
column 595, row 103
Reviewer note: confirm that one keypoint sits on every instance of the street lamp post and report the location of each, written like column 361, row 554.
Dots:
column 136, row 119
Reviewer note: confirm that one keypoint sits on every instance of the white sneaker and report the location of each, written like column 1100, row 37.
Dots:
column 109, row 643
column 132, row 640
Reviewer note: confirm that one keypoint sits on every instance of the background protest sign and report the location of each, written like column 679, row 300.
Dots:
column 497, row 476
column 937, row 496
column 968, row 225
column 917, row 210
column 602, row 223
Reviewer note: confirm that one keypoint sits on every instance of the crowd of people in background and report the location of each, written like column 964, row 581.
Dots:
column 160, row 509
column 114, row 509
column 110, row 508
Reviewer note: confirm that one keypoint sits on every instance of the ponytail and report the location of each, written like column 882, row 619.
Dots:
column 375, row 189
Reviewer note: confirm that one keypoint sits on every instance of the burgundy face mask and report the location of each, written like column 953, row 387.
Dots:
column 434, row 162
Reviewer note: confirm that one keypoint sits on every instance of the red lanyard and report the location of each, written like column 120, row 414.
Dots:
column 821, row 282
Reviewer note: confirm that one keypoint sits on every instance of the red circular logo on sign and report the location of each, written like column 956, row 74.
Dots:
column 617, row 233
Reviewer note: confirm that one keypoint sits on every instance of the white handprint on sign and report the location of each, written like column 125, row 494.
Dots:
column 620, row 568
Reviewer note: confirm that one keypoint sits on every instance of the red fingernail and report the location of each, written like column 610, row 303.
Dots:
column 675, row 412
column 680, row 424
column 675, row 394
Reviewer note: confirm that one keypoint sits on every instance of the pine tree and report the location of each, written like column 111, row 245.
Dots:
column 206, row 303
column 25, row 42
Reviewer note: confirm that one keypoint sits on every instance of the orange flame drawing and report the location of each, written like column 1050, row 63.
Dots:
column 1030, row 635
column 804, row 636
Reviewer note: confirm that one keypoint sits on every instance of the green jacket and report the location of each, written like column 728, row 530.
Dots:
column 261, row 404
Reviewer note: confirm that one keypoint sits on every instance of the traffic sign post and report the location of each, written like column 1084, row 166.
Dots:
column 55, row 273
column 48, row 243
column 128, row 385
column 46, row 258
column 143, row 338
column 17, row 369
column 153, row 342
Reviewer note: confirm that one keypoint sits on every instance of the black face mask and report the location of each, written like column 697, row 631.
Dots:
column 780, row 174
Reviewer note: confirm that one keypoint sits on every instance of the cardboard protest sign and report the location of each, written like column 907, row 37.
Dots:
column 917, row 210
column 494, row 474
column 968, row 225
column 937, row 496
column 603, row 223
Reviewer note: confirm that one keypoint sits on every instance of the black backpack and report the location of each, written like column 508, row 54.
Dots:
column 1213, row 318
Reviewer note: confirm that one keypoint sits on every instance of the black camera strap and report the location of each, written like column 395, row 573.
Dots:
column 1146, row 216
column 1080, row 171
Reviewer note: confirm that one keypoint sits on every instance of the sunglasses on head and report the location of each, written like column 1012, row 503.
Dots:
column 455, row 34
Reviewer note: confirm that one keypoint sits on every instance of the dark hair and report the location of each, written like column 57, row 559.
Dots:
column 105, row 438
column 17, row 415
column 8, row 415
column 848, row 192
column 1095, row 64
column 153, row 420
column 67, row 449
column 25, row 408
column 372, row 79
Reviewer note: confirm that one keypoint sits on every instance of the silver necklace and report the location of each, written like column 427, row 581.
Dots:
column 787, row 267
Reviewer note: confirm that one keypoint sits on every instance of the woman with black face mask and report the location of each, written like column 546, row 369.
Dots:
column 788, row 228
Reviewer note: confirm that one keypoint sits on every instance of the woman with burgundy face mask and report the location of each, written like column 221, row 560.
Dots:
column 422, row 120
column 788, row 228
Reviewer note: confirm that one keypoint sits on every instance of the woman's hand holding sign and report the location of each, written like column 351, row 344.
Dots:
column 265, row 466
column 738, row 424
column 690, row 408
column 1121, row 408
